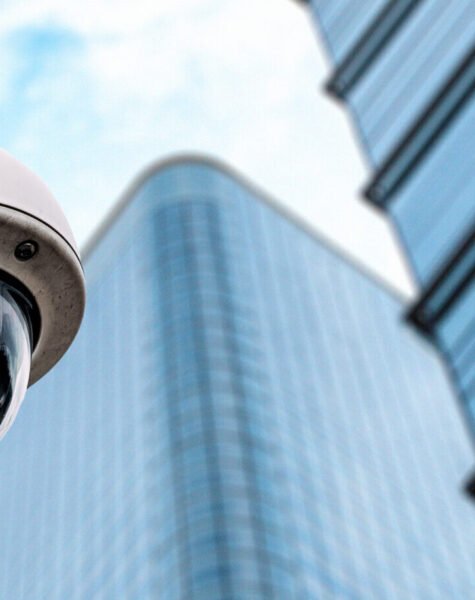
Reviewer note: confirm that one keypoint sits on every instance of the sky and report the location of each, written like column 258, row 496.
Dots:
column 94, row 91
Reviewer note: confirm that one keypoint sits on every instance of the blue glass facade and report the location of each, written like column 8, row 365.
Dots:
column 406, row 69
column 242, row 416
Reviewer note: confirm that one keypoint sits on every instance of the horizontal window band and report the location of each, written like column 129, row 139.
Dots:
column 424, row 133
column 451, row 282
column 369, row 46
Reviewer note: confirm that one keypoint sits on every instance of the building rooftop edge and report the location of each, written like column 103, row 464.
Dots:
column 219, row 165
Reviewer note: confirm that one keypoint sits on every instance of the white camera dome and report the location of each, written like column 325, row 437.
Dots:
column 39, row 258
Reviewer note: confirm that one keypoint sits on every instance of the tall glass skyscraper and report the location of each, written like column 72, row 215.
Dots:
column 241, row 417
column 406, row 70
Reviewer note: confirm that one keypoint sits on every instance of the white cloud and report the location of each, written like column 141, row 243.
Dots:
column 240, row 80
column 89, row 17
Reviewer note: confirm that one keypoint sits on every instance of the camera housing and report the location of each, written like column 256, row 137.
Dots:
column 40, row 269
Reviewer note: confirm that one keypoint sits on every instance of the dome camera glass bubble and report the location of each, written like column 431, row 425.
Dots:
column 15, row 357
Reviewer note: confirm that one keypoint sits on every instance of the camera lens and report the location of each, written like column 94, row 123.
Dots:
column 15, row 355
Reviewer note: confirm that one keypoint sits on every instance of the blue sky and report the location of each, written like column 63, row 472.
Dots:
column 93, row 91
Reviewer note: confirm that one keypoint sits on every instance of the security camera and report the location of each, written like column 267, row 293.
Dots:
column 42, row 292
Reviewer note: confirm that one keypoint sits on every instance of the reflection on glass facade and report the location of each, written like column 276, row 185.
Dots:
column 406, row 69
column 242, row 416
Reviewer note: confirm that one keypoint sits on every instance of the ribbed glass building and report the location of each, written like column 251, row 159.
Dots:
column 243, row 416
column 406, row 70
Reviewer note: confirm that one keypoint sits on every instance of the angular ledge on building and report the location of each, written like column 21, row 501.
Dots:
column 469, row 486
column 451, row 282
column 424, row 133
column 369, row 46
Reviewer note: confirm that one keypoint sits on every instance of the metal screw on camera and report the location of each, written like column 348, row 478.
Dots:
column 26, row 251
